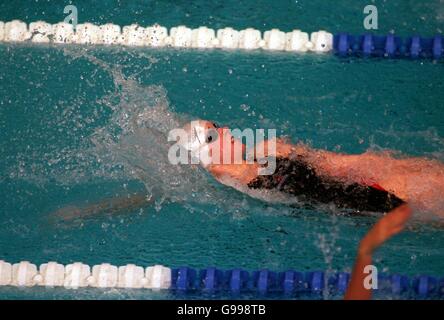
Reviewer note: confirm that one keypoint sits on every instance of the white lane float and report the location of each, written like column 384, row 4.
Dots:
column 23, row 274
column 181, row 37
column 322, row 41
column 103, row 275
column 51, row 274
column 275, row 40
column 228, row 38
column 158, row 277
column 250, row 39
column 134, row 35
column 5, row 273
column 76, row 275
column 298, row 41
column 110, row 34
column 203, row 37
column 63, row 32
column 156, row 36
column 2, row 30
column 159, row 36
column 131, row 276
column 87, row 33
column 41, row 31
column 80, row 275
column 16, row 31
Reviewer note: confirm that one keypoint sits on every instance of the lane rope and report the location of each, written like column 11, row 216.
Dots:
column 184, row 279
column 343, row 44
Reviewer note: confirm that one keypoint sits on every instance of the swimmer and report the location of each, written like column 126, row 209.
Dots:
column 364, row 182
column 367, row 182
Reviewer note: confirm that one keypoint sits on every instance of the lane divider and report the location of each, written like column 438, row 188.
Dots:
column 209, row 280
column 389, row 46
column 158, row 36
column 79, row 275
column 343, row 44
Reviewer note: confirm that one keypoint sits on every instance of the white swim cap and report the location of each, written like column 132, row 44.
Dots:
column 200, row 135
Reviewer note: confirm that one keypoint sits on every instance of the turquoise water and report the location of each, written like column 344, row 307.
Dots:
column 80, row 124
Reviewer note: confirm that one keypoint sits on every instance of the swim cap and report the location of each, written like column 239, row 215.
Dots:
column 200, row 136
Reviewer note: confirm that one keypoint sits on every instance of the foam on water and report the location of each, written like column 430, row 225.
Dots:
column 135, row 139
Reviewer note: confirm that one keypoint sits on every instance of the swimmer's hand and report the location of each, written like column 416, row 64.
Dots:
column 388, row 226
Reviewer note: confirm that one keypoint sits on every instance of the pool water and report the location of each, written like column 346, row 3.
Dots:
column 79, row 124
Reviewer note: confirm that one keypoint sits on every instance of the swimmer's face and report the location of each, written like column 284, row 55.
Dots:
column 218, row 141
column 200, row 133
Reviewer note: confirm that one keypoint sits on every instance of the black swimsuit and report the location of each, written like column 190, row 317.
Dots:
column 295, row 176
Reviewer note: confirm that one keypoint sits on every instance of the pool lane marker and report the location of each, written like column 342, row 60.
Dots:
column 78, row 275
column 343, row 44
column 158, row 36
column 209, row 280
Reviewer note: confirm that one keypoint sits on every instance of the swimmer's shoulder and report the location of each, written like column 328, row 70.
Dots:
column 282, row 149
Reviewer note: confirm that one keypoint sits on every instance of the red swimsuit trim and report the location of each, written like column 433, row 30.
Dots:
column 377, row 186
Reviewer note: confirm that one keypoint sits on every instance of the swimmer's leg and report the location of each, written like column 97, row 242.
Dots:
column 108, row 206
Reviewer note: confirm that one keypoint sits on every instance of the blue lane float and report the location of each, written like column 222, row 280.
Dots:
column 294, row 284
column 292, row 281
column 389, row 46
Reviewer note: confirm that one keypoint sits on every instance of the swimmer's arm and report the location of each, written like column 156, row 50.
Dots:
column 281, row 149
column 242, row 173
column 388, row 226
column 107, row 206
